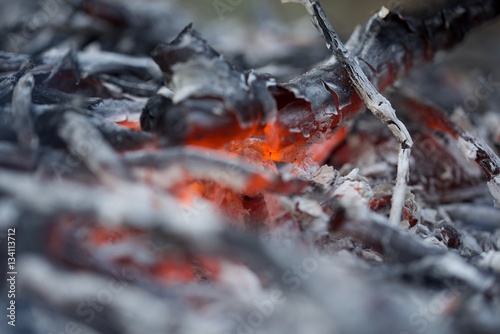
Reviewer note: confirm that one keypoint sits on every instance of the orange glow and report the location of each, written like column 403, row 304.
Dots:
column 101, row 236
column 173, row 271
column 319, row 152
column 130, row 125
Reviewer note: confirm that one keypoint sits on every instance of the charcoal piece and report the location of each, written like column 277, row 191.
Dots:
column 117, row 110
column 43, row 95
column 450, row 236
column 7, row 84
column 192, row 121
column 160, row 115
column 67, row 59
column 86, row 142
column 112, row 63
column 66, row 82
column 122, row 139
column 185, row 46
column 197, row 72
column 47, row 125
column 131, row 85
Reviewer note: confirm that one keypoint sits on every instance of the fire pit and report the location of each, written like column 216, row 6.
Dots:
column 151, row 183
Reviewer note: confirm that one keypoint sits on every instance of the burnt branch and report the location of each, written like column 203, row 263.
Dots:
column 310, row 107
column 376, row 102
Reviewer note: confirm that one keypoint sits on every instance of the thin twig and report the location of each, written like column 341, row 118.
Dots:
column 376, row 102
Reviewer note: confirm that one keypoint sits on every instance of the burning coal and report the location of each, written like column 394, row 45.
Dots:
column 152, row 183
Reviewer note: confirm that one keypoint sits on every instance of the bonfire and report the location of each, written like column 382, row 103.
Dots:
column 152, row 183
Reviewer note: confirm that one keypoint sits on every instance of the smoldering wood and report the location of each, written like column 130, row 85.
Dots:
column 92, row 202
column 120, row 138
column 470, row 145
column 377, row 103
column 67, row 58
column 46, row 119
column 8, row 83
column 325, row 90
column 42, row 95
column 214, row 166
column 368, row 276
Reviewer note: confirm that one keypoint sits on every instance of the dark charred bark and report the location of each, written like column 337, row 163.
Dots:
column 314, row 104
